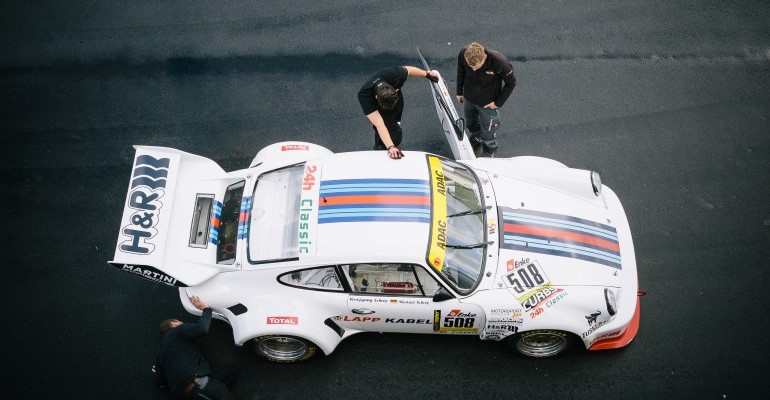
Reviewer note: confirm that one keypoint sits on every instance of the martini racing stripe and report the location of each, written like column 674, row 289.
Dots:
column 388, row 200
column 216, row 213
column 560, row 235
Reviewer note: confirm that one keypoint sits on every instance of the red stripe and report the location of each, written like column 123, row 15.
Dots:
column 566, row 236
column 374, row 199
column 215, row 222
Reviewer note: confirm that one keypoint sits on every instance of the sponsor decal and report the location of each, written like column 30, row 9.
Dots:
column 560, row 235
column 594, row 328
column 382, row 200
column 282, row 320
column 507, row 321
column 309, row 180
column 555, row 299
column 511, row 312
column 150, row 273
column 407, row 321
column 455, row 321
column 438, row 215
column 606, row 336
column 524, row 277
column 305, row 211
column 492, row 226
column 348, row 318
column 592, row 318
column 596, row 320
column 148, row 182
column 292, row 147
column 502, row 327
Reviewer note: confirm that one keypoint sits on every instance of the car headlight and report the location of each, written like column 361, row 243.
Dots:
column 611, row 296
column 596, row 182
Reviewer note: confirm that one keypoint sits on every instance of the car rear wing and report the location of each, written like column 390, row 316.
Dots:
column 451, row 123
column 162, row 210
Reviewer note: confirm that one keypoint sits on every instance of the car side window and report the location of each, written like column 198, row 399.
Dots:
column 389, row 279
column 323, row 278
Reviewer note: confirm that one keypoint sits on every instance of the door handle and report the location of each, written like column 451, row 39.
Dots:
column 362, row 311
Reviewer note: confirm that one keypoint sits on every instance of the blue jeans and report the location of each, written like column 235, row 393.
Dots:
column 482, row 124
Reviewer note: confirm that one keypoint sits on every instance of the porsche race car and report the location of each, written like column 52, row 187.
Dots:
column 305, row 248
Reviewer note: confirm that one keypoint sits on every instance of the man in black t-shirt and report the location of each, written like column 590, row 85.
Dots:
column 182, row 368
column 382, row 102
column 485, row 80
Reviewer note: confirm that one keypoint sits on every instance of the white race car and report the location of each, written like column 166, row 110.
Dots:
column 306, row 247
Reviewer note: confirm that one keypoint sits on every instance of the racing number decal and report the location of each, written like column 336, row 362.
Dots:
column 526, row 278
column 455, row 321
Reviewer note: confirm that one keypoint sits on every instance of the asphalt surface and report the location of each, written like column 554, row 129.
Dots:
column 669, row 100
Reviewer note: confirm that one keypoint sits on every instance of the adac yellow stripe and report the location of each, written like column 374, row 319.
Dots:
column 438, row 215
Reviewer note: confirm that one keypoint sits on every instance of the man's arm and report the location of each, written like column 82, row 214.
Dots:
column 376, row 119
column 414, row 71
column 509, row 82
column 201, row 327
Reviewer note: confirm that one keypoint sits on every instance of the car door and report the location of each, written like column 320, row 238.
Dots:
column 395, row 297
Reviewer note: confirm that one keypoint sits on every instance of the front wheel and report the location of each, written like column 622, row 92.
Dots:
column 288, row 349
column 540, row 343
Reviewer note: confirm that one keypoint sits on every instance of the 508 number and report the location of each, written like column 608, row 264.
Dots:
column 459, row 322
column 525, row 278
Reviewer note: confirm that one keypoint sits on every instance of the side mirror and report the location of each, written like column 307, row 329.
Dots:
column 442, row 295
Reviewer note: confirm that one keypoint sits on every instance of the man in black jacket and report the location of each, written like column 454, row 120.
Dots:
column 181, row 367
column 485, row 80
column 382, row 102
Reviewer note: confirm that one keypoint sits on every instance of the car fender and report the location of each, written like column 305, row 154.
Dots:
column 274, row 315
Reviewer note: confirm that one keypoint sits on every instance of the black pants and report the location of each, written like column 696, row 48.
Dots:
column 482, row 124
column 394, row 128
column 217, row 387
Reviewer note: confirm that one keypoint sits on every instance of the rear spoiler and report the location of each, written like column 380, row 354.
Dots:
column 153, row 241
column 451, row 123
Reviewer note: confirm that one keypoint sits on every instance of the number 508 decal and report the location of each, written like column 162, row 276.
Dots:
column 526, row 277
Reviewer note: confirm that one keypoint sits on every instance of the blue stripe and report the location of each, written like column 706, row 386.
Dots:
column 557, row 223
column 367, row 185
column 376, row 192
column 368, row 218
column 377, row 211
column 560, row 245
column 374, row 205
column 535, row 249
column 359, row 181
column 558, row 217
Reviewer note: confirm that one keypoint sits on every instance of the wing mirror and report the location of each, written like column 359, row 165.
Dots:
column 442, row 295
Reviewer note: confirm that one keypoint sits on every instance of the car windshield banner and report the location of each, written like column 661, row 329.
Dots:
column 438, row 214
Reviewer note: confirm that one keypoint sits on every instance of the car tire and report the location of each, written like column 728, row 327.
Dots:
column 540, row 343
column 283, row 348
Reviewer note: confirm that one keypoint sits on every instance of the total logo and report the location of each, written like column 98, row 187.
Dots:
column 282, row 320
column 290, row 147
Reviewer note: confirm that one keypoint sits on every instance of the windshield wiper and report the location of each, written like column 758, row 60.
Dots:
column 469, row 212
column 469, row 246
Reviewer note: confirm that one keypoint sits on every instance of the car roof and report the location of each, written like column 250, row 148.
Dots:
column 370, row 205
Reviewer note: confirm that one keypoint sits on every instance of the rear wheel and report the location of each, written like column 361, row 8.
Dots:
column 281, row 348
column 540, row 343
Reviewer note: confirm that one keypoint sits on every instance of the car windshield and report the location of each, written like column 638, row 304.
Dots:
column 273, row 219
column 458, row 235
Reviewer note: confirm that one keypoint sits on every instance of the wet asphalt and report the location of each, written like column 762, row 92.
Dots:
column 668, row 100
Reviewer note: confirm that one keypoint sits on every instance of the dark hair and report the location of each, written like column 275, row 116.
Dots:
column 165, row 326
column 387, row 96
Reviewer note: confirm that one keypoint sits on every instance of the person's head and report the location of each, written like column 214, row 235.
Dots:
column 168, row 324
column 475, row 55
column 387, row 96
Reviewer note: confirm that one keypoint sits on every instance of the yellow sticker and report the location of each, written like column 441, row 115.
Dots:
column 437, row 247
